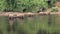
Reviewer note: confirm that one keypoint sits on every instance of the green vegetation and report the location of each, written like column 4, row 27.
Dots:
column 19, row 5
column 2, row 5
column 54, row 9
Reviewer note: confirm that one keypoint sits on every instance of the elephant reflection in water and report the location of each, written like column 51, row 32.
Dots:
column 49, row 19
column 12, row 25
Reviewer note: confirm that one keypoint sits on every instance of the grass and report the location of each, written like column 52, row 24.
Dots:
column 31, row 25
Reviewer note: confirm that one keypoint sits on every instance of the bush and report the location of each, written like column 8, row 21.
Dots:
column 2, row 5
column 19, row 5
column 54, row 9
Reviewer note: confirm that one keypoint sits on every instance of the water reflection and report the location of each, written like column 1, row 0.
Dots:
column 30, row 25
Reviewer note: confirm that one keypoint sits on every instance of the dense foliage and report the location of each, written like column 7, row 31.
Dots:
column 54, row 9
column 2, row 5
column 19, row 5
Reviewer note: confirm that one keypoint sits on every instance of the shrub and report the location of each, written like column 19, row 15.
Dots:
column 2, row 5
column 54, row 9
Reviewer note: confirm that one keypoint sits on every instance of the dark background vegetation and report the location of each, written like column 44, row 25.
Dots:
column 29, row 5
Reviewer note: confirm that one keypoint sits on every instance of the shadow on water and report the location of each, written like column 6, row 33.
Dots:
column 8, row 28
column 56, row 32
column 1, row 32
column 42, row 32
column 21, row 32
